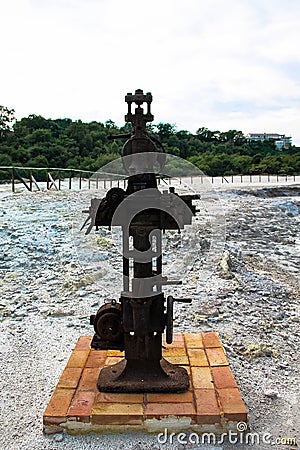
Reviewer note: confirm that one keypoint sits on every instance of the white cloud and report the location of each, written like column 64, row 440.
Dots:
column 226, row 62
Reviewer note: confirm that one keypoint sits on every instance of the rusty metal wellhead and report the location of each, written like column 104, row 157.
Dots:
column 137, row 321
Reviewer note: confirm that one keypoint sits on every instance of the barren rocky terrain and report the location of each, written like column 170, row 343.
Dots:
column 53, row 277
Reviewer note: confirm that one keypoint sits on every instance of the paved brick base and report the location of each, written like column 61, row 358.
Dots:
column 213, row 402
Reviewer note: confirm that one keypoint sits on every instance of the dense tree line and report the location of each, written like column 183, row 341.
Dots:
column 38, row 142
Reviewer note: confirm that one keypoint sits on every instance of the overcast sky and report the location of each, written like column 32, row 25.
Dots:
column 222, row 64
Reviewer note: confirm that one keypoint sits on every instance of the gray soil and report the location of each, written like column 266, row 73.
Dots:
column 53, row 277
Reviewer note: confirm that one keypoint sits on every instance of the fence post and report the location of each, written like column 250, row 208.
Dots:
column 47, row 180
column 13, row 180
column 30, row 180
column 70, row 181
column 59, row 181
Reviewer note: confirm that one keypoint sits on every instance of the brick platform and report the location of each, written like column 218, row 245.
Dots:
column 213, row 402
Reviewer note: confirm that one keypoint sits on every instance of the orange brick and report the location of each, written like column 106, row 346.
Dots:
column 78, row 358
column 96, row 358
column 173, row 345
column 193, row 340
column 197, row 357
column 81, row 406
column 69, row 378
column 207, row 406
column 211, row 340
column 223, row 377
column 182, row 360
column 89, row 378
column 178, row 341
column 159, row 410
column 56, row 411
column 110, row 360
column 232, row 404
column 201, row 378
column 184, row 397
column 179, row 344
column 215, row 391
column 117, row 353
column 117, row 414
column 112, row 397
column 83, row 343
column 178, row 337
column 174, row 351
column 216, row 357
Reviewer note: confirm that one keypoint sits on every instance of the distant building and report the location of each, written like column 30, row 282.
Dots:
column 281, row 140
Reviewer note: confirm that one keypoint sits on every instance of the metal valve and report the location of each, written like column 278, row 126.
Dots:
column 136, row 324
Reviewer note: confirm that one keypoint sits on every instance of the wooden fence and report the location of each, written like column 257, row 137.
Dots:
column 36, row 179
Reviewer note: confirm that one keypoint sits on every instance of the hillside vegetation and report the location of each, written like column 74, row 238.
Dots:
column 35, row 141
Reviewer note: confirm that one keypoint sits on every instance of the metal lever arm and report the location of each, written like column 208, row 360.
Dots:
column 170, row 302
column 165, row 282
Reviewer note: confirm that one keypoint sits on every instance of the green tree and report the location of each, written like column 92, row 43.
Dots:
column 165, row 130
column 5, row 160
column 234, row 136
column 205, row 135
column 241, row 164
column 6, row 119
column 34, row 140
column 38, row 161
